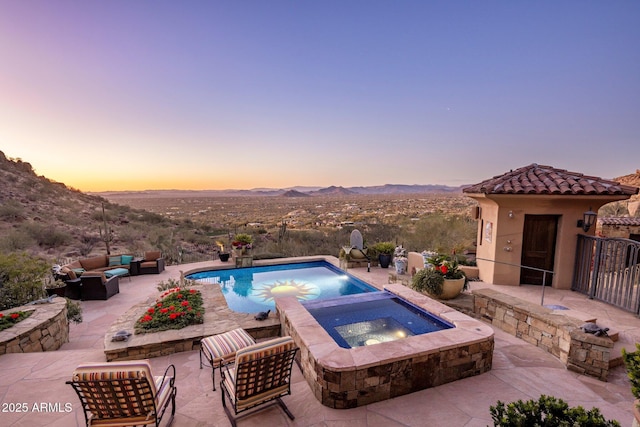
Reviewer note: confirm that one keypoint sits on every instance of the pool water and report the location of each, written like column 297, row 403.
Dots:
column 254, row 289
column 373, row 318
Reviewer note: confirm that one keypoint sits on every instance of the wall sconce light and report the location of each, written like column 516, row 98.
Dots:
column 588, row 219
column 511, row 214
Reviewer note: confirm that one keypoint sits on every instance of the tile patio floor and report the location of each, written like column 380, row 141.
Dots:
column 520, row 371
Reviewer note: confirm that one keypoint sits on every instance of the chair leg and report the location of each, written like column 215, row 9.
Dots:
column 213, row 367
column 226, row 409
column 285, row 409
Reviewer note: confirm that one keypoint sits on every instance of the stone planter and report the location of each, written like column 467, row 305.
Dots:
column 451, row 288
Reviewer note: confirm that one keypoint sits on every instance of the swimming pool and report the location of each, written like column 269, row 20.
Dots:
column 372, row 318
column 254, row 289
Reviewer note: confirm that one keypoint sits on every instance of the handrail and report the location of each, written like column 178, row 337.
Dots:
column 544, row 276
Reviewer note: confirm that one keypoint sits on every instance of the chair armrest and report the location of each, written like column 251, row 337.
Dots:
column 171, row 378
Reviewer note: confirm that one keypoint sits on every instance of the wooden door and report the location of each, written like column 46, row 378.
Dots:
column 538, row 248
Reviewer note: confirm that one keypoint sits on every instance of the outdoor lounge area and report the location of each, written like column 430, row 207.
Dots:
column 519, row 371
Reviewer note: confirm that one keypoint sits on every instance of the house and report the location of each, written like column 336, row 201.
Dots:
column 529, row 219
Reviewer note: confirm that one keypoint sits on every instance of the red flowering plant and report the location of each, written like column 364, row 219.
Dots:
column 10, row 319
column 175, row 309
column 438, row 268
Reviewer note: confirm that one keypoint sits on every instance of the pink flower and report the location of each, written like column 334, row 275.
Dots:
column 164, row 310
column 172, row 316
column 180, row 296
column 15, row 315
column 147, row 318
column 192, row 291
column 444, row 269
column 151, row 310
column 184, row 303
column 172, row 307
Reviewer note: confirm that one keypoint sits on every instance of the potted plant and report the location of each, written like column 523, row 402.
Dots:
column 385, row 251
column 242, row 243
column 56, row 287
column 632, row 363
column 442, row 279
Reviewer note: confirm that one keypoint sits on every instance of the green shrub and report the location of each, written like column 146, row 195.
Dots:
column 547, row 411
column 21, row 279
column 632, row 363
column 74, row 311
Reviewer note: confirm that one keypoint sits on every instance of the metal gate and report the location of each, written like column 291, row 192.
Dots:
column 608, row 269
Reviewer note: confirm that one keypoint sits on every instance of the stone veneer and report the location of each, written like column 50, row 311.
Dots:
column 558, row 334
column 346, row 378
column 45, row 330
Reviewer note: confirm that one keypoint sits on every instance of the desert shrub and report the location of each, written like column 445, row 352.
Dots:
column 45, row 235
column 546, row 411
column 21, row 279
column 169, row 284
column 16, row 240
column 12, row 211
column 441, row 233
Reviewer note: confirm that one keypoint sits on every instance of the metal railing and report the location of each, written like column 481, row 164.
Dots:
column 544, row 275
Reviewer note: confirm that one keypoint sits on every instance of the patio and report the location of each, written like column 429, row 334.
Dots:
column 520, row 371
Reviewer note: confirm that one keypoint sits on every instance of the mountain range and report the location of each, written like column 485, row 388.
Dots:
column 289, row 192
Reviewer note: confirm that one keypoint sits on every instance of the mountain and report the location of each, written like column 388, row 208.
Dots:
column 333, row 191
column 294, row 193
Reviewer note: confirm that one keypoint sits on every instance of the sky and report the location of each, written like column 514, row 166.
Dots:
column 135, row 95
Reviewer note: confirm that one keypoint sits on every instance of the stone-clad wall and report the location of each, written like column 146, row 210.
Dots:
column 558, row 334
column 45, row 330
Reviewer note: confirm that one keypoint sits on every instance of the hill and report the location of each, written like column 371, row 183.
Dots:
column 49, row 219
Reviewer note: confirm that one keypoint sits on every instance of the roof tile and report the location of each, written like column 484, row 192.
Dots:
column 538, row 179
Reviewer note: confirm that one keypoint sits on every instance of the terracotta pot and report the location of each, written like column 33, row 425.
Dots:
column 451, row 288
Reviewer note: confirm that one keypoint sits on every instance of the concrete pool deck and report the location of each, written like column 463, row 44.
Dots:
column 520, row 371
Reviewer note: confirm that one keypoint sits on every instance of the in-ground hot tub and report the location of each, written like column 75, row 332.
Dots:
column 350, row 377
column 374, row 318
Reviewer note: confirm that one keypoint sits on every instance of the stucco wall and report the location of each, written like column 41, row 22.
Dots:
column 505, row 243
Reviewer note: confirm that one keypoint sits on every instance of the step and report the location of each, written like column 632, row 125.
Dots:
column 615, row 358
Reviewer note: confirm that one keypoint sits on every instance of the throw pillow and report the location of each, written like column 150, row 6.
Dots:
column 78, row 271
column 114, row 260
column 126, row 259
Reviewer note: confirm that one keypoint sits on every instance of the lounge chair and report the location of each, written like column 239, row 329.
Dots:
column 152, row 263
column 261, row 375
column 96, row 286
column 124, row 393
column 220, row 349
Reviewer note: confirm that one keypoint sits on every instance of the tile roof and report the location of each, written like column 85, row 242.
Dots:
column 622, row 220
column 538, row 179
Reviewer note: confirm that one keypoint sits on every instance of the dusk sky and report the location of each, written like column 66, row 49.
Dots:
column 134, row 95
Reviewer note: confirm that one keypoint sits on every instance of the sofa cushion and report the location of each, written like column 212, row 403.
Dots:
column 78, row 271
column 115, row 260
column 152, row 255
column 94, row 262
column 126, row 259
